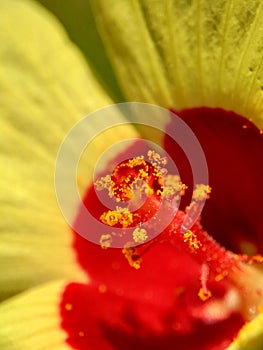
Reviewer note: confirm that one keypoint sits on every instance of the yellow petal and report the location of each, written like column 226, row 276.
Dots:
column 45, row 87
column 182, row 54
column 31, row 321
column 250, row 337
column 77, row 18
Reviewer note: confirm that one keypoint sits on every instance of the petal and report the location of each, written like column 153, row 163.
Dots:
column 250, row 337
column 84, row 33
column 96, row 318
column 31, row 321
column 232, row 215
column 44, row 90
column 183, row 54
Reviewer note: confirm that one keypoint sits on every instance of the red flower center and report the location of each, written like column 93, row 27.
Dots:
column 233, row 147
column 157, row 306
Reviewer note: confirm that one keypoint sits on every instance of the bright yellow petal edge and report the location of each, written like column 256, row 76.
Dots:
column 250, row 336
column 31, row 321
column 183, row 54
column 45, row 88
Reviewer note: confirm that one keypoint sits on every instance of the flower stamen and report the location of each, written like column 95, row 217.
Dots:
column 133, row 257
column 139, row 235
column 204, row 292
column 192, row 241
column 144, row 186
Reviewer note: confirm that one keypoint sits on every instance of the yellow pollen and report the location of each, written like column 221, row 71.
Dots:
column 192, row 241
column 143, row 189
column 68, row 307
column 126, row 218
column 133, row 181
column 139, row 235
column 201, row 192
column 157, row 161
column 105, row 241
column 143, row 174
column 103, row 183
column 136, row 161
column 110, row 218
column 133, row 257
column 154, row 156
column 120, row 216
column 204, row 296
column 102, row 288
column 172, row 186
column 219, row 277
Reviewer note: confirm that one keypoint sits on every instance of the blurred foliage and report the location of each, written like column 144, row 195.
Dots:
column 77, row 18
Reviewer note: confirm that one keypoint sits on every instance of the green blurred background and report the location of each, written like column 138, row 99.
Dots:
column 76, row 17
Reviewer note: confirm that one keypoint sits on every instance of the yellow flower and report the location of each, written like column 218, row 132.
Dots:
column 175, row 54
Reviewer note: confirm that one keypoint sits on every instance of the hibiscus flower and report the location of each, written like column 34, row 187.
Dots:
column 194, row 291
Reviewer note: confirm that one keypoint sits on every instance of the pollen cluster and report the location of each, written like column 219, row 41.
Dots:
column 139, row 235
column 121, row 216
column 172, row 187
column 139, row 187
column 157, row 161
column 127, row 175
column 191, row 239
column 105, row 241
column 133, row 257
column 201, row 192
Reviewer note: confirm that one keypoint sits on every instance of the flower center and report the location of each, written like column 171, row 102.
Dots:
column 136, row 179
column 233, row 147
column 146, row 186
column 232, row 215
column 140, row 187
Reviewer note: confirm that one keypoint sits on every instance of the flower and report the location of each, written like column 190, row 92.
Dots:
column 163, row 53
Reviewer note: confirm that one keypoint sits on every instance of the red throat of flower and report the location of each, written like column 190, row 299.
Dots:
column 145, row 186
column 154, row 303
